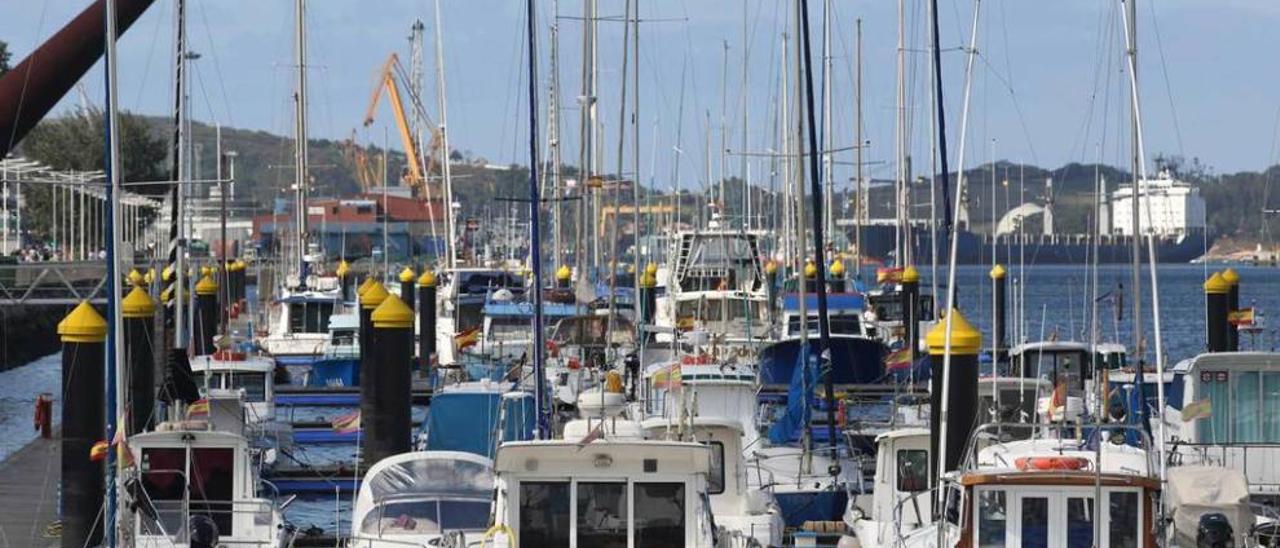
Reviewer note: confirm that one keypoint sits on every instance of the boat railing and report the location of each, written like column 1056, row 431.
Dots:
column 252, row 521
column 1255, row 460
column 1085, row 436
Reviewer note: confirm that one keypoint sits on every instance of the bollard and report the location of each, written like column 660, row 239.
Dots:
column 1000, row 321
column 373, row 296
column 1233, row 304
column 344, row 280
column 139, row 312
column 648, row 295
column 426, row 318
column 407, row 277
column 961, row 410
column 44, row 415
column 836, row 282
column 911, row 311
column 1216, row 289
column 563, row 277
column 385, row 414
column 206, row 325
column 84, row 334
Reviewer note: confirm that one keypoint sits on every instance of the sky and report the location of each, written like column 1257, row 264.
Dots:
column 1047, row 81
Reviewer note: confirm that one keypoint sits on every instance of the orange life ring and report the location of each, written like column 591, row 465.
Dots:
column 1051, row 463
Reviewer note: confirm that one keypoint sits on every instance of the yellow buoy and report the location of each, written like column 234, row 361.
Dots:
column 1230, row 276
column 810, row 270
column 910, row 275
column 206, row 286
column 997, row 272
column 1216, row 285
column 342, row 269
column 563, row 274
column 837, row 268
column 392, row 313
column 427, row 279
column 651, row 269
column 373, row 295
column 137, row 304
column 407, row 275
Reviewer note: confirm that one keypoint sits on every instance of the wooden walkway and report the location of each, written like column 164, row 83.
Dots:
column 29, row 481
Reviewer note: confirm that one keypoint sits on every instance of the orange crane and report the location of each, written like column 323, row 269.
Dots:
column 358, row 156
column 388, row 79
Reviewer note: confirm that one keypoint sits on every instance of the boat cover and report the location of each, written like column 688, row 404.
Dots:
column 1195, row 491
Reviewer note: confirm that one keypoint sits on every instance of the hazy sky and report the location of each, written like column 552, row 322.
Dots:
column 1047, row 86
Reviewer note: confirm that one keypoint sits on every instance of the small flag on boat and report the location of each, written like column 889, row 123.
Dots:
column 348, row 423
column 900, row 359
column 98, row 452
column 467, row 338
column 667, row 377
column 595, row 434
column 1058, row 400
column 1243, row 316
column 120, row 441
column 198, row 409
column 1197, row 410
column 889, row 275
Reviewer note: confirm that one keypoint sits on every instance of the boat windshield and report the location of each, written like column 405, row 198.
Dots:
column 1057, row 367
column 426, row 516
column 309, row 316
column 841, row 324
column 254, row 384
column 719, row 314
column 209, row 490
column 591, row 331
column 510, row 328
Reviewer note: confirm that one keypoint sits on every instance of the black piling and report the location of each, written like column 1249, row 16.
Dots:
column 564, row 277
column 84, row 335
column 407, row 279
column 648, row 295
column 999, row 291
column 1216, row 291
column 836, row 282
column 911, row 311
column 385, row 414
column 344, row 280
column 1233, row 304
column 426, row 318
column 372, row 296
column 139, row 328
column 961, row 410
column 206, row 325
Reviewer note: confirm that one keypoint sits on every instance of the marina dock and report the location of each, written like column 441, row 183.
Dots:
column 29, row 507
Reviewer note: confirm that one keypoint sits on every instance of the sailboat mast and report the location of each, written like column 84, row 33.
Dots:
column 300, row 139
column 535, row 242
column 1135, row 249
column 553, row 140
column 115, row 332
column 903, row 243
column 445, row 171
column 828, row 194
column 815, row 188
column 860, row 208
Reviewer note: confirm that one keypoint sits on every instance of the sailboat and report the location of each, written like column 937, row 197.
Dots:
column 299, row 317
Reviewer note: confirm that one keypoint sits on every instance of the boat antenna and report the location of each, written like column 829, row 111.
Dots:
column 535, row 252
column 815, row 190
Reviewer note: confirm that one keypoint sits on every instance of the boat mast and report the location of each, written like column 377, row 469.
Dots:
column 177, row 195
column 815, row 188
column 445, row 170
column 535, row 243
column 300, row 140
column 1135, row 251
column 553, row 140
column 859, row 210
column 115, row 332
column 903, row 244
column 828, row 191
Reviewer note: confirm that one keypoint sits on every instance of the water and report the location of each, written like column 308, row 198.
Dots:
column 1058, row 301
column 19, row 388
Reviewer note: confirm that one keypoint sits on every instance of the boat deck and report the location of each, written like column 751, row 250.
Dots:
column 29, row 505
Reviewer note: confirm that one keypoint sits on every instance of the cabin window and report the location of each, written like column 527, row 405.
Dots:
column 544, row 513
column 163, row 470
column 1080, row 513
column 992, row 516
column 309, row 316
column 1035, row 522
column 253, row 384
column 1124, row 528
column 659, row 514
column 913, row 470
column 715, row 481
column 1245, row 407
column 344, row 337
column 602, row 514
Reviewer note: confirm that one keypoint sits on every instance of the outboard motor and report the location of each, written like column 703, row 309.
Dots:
column 204, row 532
column 1214, row 531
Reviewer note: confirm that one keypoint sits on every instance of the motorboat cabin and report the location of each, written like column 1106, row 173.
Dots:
column 340, row 362
column 299, row 327
column 422, row 498
column 186, row 471
column 247, row 374
column 844, row 313
column 603, row 493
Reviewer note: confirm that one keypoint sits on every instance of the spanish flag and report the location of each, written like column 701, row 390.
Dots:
column 900, row 359
column 1243, row 316
column 1197, row 410
column 98, row 452
column 889, row 275
column 198, row 409
column 124, row 455
column 467, row 338
column 348, row 423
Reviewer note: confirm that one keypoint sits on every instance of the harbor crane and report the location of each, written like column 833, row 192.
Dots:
column 388, row 80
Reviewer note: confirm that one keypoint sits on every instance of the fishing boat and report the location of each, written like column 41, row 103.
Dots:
column 198, row 481
column 339, row 363
column 299, row 327
column 602, row 492
column 239, row 372
column 1033, row 490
